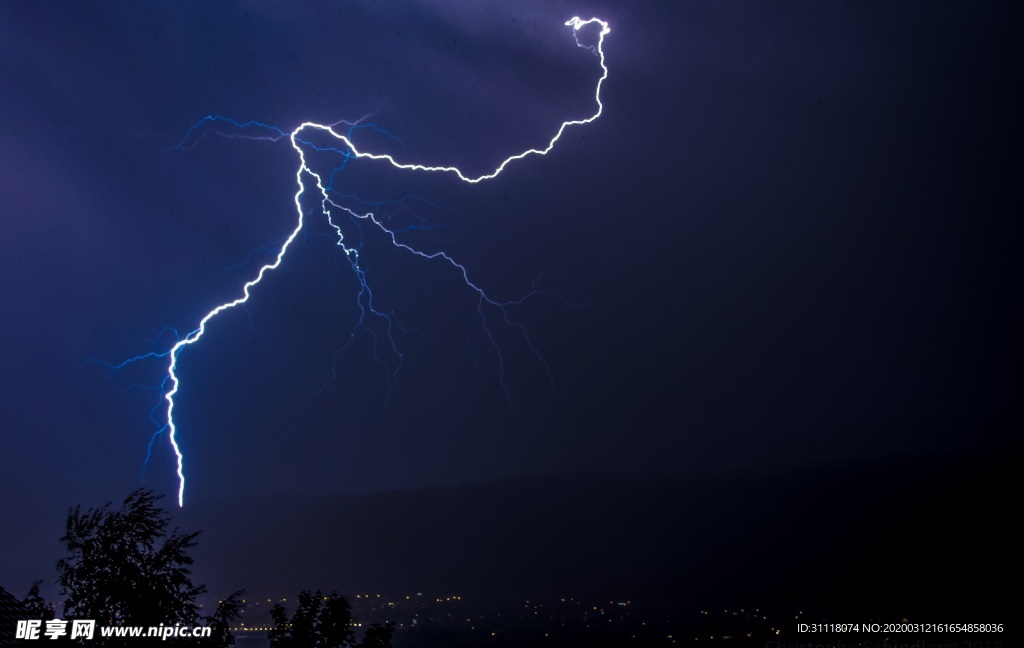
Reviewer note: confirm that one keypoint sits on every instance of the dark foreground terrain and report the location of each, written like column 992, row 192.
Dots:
column 924, row 538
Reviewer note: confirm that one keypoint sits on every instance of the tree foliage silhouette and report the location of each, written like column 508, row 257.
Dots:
column 35, row 605
column 378, row 636
column 320, row 621
column 323, row 621
column 123, row 569
column 228, row 610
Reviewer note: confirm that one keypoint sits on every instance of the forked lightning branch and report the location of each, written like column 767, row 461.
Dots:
column 333, row 211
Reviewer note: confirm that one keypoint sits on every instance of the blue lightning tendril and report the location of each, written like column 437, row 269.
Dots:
column 331, row 209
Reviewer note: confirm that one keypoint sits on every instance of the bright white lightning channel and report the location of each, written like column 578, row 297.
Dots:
column 193, row 337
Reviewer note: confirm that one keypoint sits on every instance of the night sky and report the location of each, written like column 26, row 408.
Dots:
column 791, row 242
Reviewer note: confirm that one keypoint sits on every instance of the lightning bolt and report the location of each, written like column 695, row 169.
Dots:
column 343, row 145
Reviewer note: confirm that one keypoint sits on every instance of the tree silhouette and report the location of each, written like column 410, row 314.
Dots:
column 123, row 569
column 118, row 571
column 378, row 636
column 35, row 605
column 323, row 621
column 320, row 621
column 228, row 610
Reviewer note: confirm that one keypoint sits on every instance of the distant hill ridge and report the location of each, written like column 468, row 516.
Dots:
column 858, row 536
